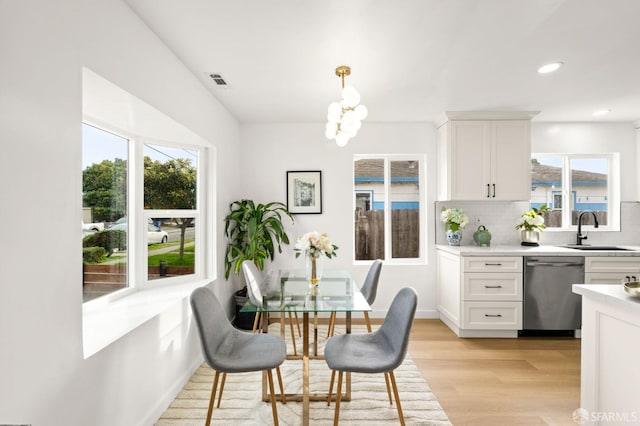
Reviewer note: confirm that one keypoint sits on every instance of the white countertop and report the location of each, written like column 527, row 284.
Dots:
column 612, row 294
column 543, row 250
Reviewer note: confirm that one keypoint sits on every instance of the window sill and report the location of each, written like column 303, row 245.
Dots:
column 103, row 324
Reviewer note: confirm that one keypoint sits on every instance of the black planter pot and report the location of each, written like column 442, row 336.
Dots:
column 243, row 320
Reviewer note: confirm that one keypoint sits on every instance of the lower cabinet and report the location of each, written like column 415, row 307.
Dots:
column 492, row 315
column 611, row 270
column 480, row 296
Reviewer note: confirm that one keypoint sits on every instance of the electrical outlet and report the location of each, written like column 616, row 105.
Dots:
column 477, row 220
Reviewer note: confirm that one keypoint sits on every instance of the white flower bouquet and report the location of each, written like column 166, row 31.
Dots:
column 532, row 220
column 315, row 244
column 454, row 219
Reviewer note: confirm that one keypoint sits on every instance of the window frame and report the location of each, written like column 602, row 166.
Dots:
column 137, row 215
column 569, row 195
column 422, row 199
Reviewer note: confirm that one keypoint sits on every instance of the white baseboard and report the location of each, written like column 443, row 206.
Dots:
column 170, row 394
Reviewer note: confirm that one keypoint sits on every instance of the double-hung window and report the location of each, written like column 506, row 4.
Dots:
column 141, row 212
column 389, row 202
column 572, row 183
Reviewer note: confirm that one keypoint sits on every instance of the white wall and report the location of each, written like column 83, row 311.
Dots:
column 269, row 150
column 592, row 138
column 45, row 380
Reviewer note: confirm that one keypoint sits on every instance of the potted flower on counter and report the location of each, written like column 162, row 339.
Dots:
column 454, row 220
column 530, row 224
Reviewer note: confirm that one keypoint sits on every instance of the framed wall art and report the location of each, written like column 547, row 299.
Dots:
column 304, row 192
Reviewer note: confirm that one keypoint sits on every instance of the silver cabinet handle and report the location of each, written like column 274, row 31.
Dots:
column 493, row 264
column 494, row 190
column 488, row 191
column 493, row 315
column 492, row 286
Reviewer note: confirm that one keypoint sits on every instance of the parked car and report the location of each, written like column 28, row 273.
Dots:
column 92, row 227
column 155, row 235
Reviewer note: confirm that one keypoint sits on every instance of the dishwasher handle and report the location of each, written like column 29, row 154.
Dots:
column 554, row 264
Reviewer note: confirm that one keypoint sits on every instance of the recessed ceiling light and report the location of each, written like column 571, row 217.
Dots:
column 601, row 112
column 553, row 66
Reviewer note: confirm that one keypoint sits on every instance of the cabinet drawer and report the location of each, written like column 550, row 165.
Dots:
column 493, row 286
column 493, row 264
column 607, row 277
column 626, row 265
column 492, row 315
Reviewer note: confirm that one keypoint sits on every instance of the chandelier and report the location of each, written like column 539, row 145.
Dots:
column 344, row 118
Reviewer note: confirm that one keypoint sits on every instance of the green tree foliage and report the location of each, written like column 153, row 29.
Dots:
column 171, row 185
column 167, row 185
column 109, row 240
column 104, row 186
column 93, row 254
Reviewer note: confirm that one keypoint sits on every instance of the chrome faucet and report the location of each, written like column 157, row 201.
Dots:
column 581, row 237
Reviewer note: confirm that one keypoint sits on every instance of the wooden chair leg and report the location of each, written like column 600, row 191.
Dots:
column 297, row 323
column 293, row 335
column 274, row 409
column 395, row 393
column 283, row 396
column 212, row 400
column 332, row 319
column 264, row 321
column 224, row 379
column 256, row 321
column 386, row 382
column 366, row 319
column 338, row 397
column 333, row 376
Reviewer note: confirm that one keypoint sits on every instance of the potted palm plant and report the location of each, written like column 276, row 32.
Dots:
column 254, row 232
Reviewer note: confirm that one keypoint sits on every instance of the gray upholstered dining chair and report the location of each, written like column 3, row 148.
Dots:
column 229, row 350
column 369, row 290
column 254, row 280
column 379, row 352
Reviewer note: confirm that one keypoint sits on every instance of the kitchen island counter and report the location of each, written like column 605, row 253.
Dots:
column 609, row 354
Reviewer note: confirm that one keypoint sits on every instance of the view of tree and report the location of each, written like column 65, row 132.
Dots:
column 104, row 186
column 171, row 185
column 167, row 185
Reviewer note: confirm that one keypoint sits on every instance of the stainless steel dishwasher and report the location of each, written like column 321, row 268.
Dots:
column 549, row 303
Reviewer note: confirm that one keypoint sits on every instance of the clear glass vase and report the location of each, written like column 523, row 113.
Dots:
column 314, row 267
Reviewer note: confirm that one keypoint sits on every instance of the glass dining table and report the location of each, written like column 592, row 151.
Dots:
column 289, row 291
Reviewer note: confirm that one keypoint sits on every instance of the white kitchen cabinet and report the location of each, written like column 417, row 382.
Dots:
column 610, row 270
column 609, row 356
column 480, row 296
column 448, row 279
column 488, row 158
column 492, row 293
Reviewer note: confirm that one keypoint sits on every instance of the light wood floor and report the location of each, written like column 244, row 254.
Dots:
column 524, row 381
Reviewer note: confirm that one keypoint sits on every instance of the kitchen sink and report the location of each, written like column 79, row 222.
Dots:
column 585, row 247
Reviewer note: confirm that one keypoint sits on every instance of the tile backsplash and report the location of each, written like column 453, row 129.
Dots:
column 499, row 217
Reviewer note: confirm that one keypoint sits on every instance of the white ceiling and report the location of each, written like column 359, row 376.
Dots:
column 411, row 60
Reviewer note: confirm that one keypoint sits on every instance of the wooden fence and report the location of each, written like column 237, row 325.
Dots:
column 405, row 234
column 553, row 218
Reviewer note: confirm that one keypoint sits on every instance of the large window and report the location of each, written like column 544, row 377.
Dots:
column 140, row 212
column 388, row 208
column 571, row 183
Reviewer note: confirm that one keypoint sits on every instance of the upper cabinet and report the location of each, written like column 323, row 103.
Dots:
column 485, row 156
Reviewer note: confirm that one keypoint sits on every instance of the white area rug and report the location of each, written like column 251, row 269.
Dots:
column 369, row 405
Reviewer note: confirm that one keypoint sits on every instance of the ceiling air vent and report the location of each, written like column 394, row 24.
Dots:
column 217, row 78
